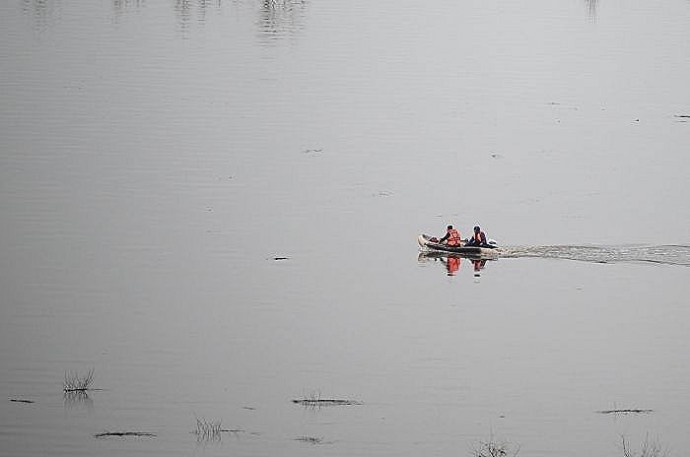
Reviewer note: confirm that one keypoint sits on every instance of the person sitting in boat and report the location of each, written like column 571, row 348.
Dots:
column 452, row 237
column 478, row 239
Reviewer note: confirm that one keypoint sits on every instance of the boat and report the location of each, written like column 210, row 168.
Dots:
column 429, row 243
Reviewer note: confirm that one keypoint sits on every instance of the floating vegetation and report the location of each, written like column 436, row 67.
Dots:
column 626, row 411
column 208, row 430
column 309, row 439
column 315, row 399
column 325, row 402
column 493, row 448
column 278, row 258
column 647, row 448
column 21, row 400
column 76, row 388
column 76, row 398
column 74, row 382
column 125, row 434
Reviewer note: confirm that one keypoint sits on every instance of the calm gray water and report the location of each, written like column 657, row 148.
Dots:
column 156, row 157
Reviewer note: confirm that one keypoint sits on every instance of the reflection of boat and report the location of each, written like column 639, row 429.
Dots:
column 489, row 251
column 450, row 260
column 453, row 260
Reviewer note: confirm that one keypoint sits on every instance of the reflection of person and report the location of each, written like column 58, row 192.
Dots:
column 452, row 237
column 478, row 265
column 452, row 264
column 478, row 239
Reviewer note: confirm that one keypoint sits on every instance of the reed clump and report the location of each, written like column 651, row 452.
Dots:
column 493, row 448
column 75, row 382
column 648, row 448
column 208, row 430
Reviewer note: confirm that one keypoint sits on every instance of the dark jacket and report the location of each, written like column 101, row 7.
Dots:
column 478, row 239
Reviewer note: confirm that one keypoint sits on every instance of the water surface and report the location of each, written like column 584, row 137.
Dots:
column 157, row 157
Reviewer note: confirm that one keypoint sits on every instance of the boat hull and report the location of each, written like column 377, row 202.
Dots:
column 475, row 251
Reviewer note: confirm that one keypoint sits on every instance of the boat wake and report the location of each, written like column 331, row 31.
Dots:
column 677, row 255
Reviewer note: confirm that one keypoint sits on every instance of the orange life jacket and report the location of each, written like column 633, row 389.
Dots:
column 454, row 239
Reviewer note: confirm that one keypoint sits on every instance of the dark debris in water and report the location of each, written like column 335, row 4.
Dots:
column 626, row 411
column 20, row 400
column 278, row 258
column 310, row 439
column 325, row 402
column 125, row 434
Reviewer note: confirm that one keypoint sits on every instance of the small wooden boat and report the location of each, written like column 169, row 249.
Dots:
column 429, row 243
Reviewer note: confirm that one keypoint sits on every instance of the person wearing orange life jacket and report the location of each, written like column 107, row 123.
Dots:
column 478, row 239
column 452, row 237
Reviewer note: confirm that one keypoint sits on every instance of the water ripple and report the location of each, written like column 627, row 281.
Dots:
column 671, row 254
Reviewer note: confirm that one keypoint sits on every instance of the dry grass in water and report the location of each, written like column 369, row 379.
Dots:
column 616, row 410
column 74, row 382
column 493, row 448
column 77, row 398
column 626, row 411
column 314, row 400
column 647, row 448
column 208, row 430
